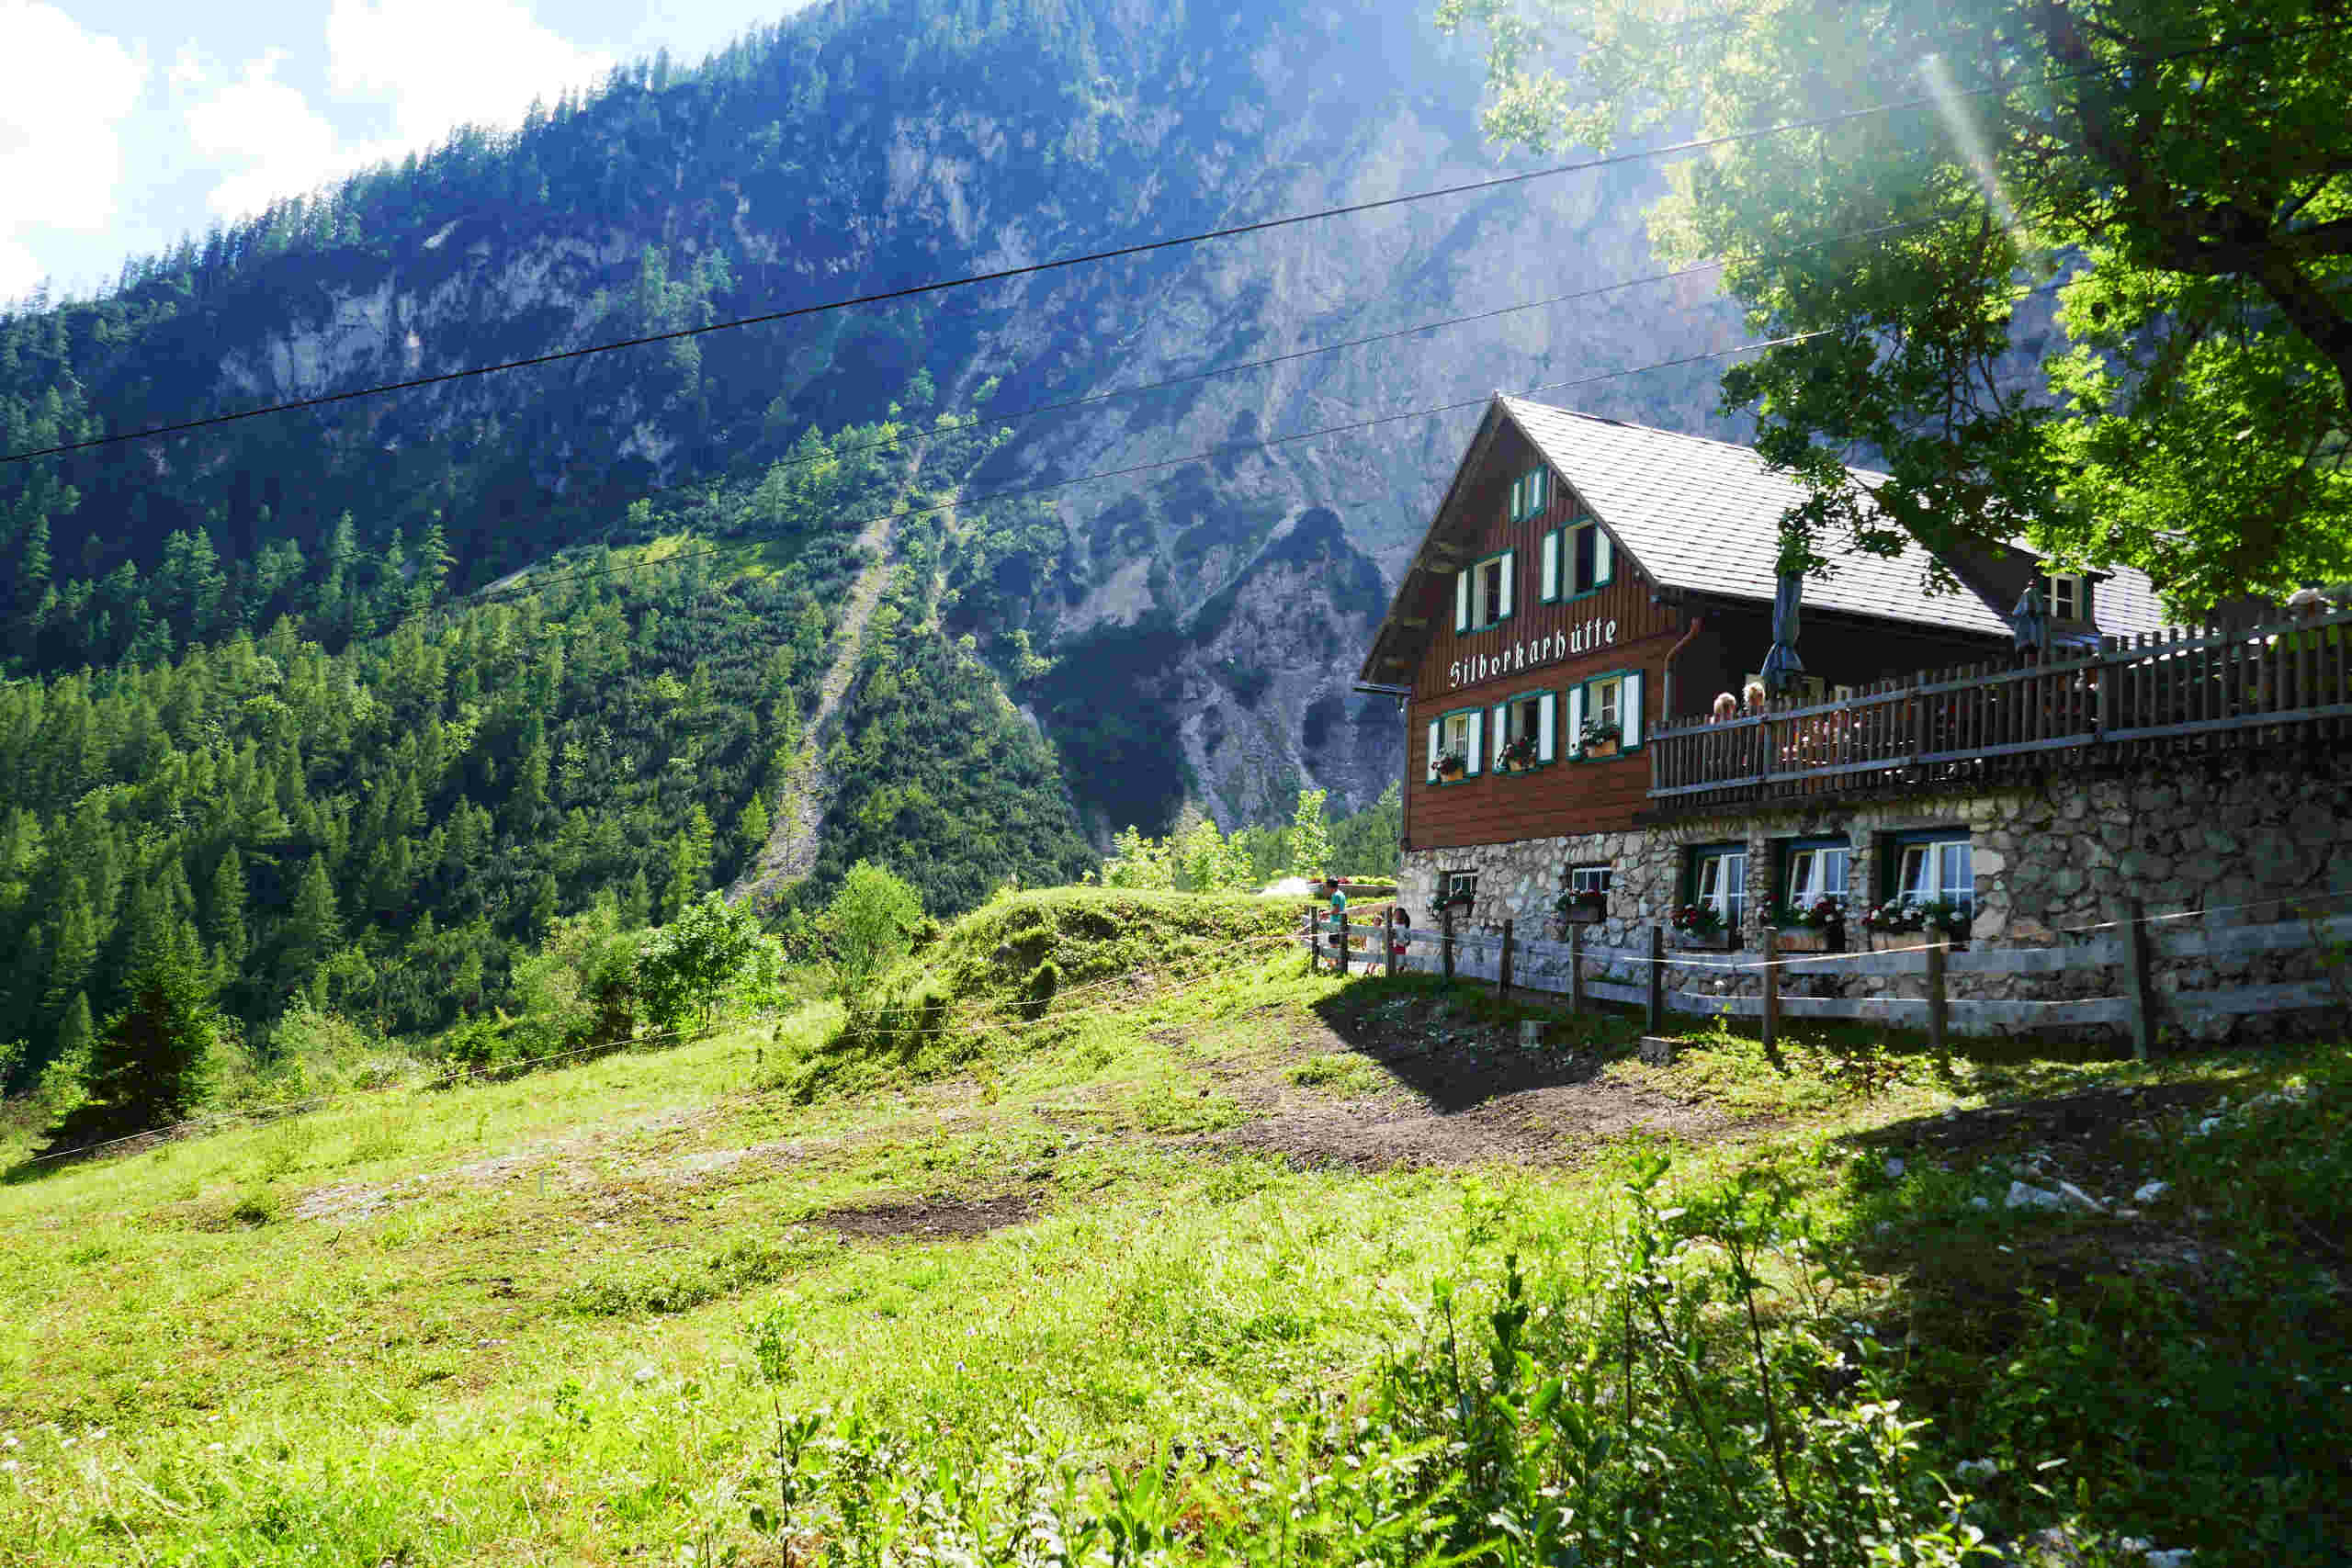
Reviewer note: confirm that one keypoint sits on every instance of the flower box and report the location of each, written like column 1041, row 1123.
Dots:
column 1597, row 749
column 1449, row 771
column 1811, row 938
column 1584, row 914
column 1910, row 940
column 1720, row 940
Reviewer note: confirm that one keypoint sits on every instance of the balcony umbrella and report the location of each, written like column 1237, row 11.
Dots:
column 2030, row 622
column 1781, row 665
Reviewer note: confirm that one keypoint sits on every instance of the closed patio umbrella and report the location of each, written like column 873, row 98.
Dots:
column 2030, row 622
column 1781, row 665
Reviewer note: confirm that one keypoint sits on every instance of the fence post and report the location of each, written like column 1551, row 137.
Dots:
column 1502, row 970
column 1657, row 978
column 1446, row 915
column 1771, row 1029
column 1339, row 935
column 2136, row 972
column 1576, row 968
column 1939, row 1006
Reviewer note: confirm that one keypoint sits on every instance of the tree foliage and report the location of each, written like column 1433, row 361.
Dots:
column 148, row 1064
column 2179, row 173
column 869, row 925
column 684, row 967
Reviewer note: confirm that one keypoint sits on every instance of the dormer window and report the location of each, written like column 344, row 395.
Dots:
column 2068, row 595
column 1577, row 560
column 1529, row 494
column 1483, row 595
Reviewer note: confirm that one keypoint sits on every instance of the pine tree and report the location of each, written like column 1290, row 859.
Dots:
column 752, row 830
column 74, row 1029
column 312, row 931
column 148, row 1064
column 689, row 864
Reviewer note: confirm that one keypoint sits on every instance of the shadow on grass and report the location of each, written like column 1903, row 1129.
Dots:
column 1457, row 1044
column 2169, row 1367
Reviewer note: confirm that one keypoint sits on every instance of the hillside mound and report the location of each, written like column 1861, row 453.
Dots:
column 1015, row 957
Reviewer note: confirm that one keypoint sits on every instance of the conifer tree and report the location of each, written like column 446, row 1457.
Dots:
column 752, row 830
column 689, row 864
column 74, row 1029
column 148, row 1064
column 312, row 931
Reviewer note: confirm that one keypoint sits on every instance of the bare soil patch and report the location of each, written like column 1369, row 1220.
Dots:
column 1459, row 1093
column 931, row 1219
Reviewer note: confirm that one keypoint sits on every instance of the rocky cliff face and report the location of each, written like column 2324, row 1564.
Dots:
column 1231, row 596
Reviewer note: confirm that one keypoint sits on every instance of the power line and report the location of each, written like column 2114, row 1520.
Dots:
column 1146, row 247
column 529, row 586
column 1230, row 449
column 978, row 421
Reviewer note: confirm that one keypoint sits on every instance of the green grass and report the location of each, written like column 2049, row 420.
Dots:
column 505, row 1322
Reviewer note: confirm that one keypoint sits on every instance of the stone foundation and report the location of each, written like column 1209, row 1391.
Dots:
column 2227, row 835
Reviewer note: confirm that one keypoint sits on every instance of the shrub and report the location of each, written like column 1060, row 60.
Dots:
column 149, row 1066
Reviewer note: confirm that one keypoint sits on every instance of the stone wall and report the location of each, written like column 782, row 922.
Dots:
column 2229, row 834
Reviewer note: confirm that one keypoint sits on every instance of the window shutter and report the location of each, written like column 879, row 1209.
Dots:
column 1502, row 728
column 1436, row 740
column 1543, row 490
column 1543, row 737
column 1476, row 725
column 1575, row 716
column 1631, row 711
column 1509, row 603
column 1604, row 557
column 1551, row 570
column 1462, row 601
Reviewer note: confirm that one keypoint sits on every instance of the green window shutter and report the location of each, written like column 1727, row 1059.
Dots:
column 1436, row 739
column 1575, row 716
column 1511, row 601
column 1630, row 710
column 1475, row 726
column 1544, row 739
column 1550, row 566
column 1604, row 557
column 1462, row 601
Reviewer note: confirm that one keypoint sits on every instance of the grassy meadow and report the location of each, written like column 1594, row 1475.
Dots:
column 1189, row 1265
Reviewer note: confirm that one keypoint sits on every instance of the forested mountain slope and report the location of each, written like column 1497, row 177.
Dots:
column 270, row 635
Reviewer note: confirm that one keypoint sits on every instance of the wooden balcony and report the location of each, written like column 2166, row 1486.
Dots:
column 2192, row 689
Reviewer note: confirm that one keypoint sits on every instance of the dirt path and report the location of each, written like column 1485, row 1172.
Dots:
column 1409, row 1089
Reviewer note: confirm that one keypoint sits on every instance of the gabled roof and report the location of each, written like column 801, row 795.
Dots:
column 1704, row 516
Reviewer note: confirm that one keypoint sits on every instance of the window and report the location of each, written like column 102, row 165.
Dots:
column 2067, row 594
column 1719, row 880
column 1815, row 869
column 1935, row 868
column 1523, row 732
column 1605, row 715
column 1577, row 560
column 1529, row 494
column 1460, row 888
column 1456, row 740
column 1587, row 879
column 1482, row 595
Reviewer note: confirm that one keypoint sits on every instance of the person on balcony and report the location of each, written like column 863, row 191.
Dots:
column 1726, row 709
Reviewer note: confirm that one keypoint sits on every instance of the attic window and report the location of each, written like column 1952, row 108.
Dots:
column 1529, row 494
column 2068, row 595
column 1577, row 560
column 1484, row 594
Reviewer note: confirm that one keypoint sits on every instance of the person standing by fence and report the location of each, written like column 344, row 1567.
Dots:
column 1338, row 897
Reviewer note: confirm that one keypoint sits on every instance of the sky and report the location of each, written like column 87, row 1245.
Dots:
column 124, row 124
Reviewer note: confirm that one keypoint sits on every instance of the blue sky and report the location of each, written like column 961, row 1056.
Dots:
column 127, row 123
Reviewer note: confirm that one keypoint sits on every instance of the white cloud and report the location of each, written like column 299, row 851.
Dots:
column 445, row 62
column 283, row 144
column 188, row 69
column 63, row 94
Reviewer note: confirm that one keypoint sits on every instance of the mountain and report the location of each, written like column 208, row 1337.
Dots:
column 1185, row 632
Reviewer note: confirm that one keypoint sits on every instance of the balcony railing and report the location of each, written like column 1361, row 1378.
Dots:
column 2185, row 688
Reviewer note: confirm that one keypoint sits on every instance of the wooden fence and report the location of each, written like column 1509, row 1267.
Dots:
column 2133, row 947
column 2188, row 688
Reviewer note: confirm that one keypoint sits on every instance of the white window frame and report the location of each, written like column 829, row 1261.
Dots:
column 1530, row 493
column 1819, row 870
column 1724, row 866
column 1467, row 881
column 1462, row 729
column 1589, row 878
column 2070, row 588
column 1928, row 871
column 1628, row 688
column 1532, row 713
column 1470, row 609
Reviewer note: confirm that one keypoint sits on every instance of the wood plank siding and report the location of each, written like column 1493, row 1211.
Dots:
column 1539, row 647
